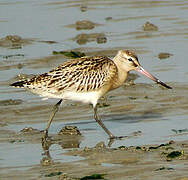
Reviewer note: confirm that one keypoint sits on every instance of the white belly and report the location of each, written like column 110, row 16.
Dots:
column 86, row 97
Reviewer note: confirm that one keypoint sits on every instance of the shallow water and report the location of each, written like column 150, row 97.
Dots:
column 143, row 107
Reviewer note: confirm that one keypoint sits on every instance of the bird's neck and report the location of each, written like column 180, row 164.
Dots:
column 121, row 75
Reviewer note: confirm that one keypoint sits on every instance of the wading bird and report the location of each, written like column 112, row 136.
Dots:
column 85, row 79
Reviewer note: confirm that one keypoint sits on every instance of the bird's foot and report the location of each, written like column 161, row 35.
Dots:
column 118, row 137
column 113, row 138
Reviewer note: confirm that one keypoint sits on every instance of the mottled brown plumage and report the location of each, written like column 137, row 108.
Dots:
column 83, row 74
column 85, row 79
column 80, row 75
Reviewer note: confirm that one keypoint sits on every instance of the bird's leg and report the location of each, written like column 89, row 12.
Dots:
column 101, row 123
column 111, row 136
column 55, row 109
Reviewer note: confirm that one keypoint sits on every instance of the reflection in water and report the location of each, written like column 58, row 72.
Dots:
column 68, row 137
column 74, row 141
column 64, row 141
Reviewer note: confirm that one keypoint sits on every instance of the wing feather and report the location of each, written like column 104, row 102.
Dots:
column 82, row 74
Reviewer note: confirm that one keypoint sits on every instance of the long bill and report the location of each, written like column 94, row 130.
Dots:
column 150, row 76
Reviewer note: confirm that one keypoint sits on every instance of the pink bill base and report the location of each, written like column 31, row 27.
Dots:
column 150, row 76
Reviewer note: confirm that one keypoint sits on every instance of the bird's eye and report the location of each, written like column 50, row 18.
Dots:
column 130, row 59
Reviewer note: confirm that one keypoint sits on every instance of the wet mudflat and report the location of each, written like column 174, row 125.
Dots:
column 153, row 119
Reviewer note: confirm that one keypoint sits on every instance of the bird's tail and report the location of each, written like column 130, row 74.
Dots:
column 19, row 84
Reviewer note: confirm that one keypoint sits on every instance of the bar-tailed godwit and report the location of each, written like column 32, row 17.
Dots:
column 85, row 79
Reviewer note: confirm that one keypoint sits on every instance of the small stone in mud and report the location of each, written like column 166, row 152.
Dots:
column 29, row 130
column 100, row 145
column 171, row 142
column 12, row 55
column 101, row 105
column 87, row 149
column 132, row 98
column 53, row 174
column 93, row 176
column 48, row 42
column 180, row 130
column 46, row 161
column 122, row 147
column 164, row 55
column 14, row 41
column 138, row 148
column 20, row 66
column 13, row 38
column 64, row 176
column 101, row 39
column 143, row 148
column 149, row 27
column 164, row 168
column 85, row 24
column 12, row 141
column 69, row 130
column 83, row 8
column 84, row 38
column 159, row 146
column 16, row 141
column 174, row 154
column 108, row 18
column 10, row 102
column 137, row 133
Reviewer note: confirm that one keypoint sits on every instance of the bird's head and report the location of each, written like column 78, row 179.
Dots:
column 129, row 61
